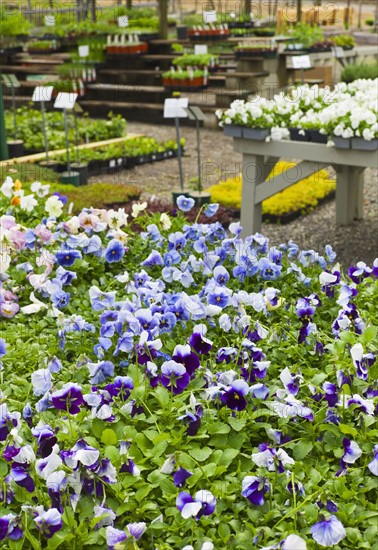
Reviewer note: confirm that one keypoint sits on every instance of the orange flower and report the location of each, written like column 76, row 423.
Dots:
column 15, row 201
column 17, row 185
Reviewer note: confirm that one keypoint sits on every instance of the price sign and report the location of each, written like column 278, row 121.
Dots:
column 123, row 21
column 50, row 20
column 210, row 16
column 301, row 62
column 200, row 49
column 42, row 93
column 10, row 80
column 175, row 108
column 83, row 51
column 65, row 100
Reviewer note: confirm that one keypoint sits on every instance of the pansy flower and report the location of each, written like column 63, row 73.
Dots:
column 373, row 465
column 203, row 504
column 234, row 395
column 254, row 489
column 49, row 522
column 69, row 398
column 328, row 532
column 174, row 376
column 185, row 203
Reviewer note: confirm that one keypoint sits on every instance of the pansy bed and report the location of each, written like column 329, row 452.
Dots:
column 167, row 385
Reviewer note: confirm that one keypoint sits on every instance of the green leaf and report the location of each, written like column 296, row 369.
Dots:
column 349, row 430
column 142, row 492
column 369, row 334
column 200, row 454
column 163, row 397
column 237, row 424
column 302, row 449
column 109, row 437
column 227, row 457
column 218, row 428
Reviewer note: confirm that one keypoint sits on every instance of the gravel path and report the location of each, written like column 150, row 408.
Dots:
column 353, row 243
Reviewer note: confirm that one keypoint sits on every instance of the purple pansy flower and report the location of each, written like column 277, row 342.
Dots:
column 184, row 355
column 203, row 504
column 180, row 476
column 9, row 527
column 69, row 398
column 49, row 522
column 360, row 272
column 200, row 344
column 174, row 376
column 254, row 489
column 234, row 395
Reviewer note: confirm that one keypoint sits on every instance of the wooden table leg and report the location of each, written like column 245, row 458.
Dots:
column 349, row 194
column 255, row 170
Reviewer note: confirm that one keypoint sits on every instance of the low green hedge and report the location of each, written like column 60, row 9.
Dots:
column 355, row 72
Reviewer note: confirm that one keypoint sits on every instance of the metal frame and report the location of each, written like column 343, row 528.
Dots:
column 259, row 159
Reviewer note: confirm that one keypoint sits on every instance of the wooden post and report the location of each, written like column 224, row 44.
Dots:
column 349, row 194
column 163, row 18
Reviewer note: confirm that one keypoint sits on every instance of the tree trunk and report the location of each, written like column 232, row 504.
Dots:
column 93, row 10
column 247, row 7
column 163, row 18
column 129, row 4
column 346, row 23
column 299, row 10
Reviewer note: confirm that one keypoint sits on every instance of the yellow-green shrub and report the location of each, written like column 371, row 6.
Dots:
column 301, row 196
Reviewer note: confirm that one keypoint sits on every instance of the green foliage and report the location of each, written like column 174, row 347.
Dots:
column 306, row 34
column 363, row 70
column 12, row 23
column 194, row 60
column 97, row 195
column 344, row 40
column 29, row 121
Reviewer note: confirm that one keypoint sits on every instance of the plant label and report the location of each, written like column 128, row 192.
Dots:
column 123, row 21
column 112, row 163
column 42, row 93
column 200, row 49
column 210, row 16
column 50, row 20
column 301, row 62
column 65, row 100
column 84, row 51
column 175, row 107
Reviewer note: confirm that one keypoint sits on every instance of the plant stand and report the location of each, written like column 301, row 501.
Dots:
column 177, row 192
column 16, row 148
column 82, row 169
column 259, row 158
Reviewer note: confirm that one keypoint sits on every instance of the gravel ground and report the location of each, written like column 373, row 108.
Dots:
column 353, row 243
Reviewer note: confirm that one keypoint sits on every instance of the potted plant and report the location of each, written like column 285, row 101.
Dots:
column 344, row 41
column 42, row 46
column 197, row 61
column 185, row 80
column 321, row 46
column 261, row 49
column 250, row 120
column 304, row 36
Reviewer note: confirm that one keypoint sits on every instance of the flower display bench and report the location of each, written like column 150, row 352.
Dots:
column 259, row 158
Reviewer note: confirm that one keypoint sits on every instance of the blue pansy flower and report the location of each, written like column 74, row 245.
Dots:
column 328, row 532
column 185, row 203
column 211, row 209
column 115, row 251
column 99, row 372
column 373, row 465
column 67, row 256
column 3, row 347
column 234, row 395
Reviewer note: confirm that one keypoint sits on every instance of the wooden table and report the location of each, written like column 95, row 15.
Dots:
column 259, row 158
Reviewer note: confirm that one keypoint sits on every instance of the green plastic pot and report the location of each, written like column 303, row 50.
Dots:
column 71, row 177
